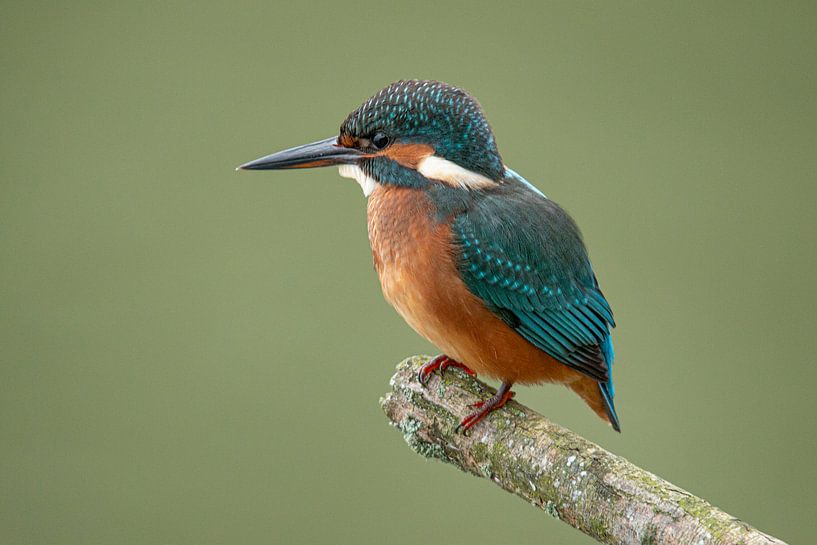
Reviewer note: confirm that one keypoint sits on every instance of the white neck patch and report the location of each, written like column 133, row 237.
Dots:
column 367, row 183
column 513, row 174
column 450, row 173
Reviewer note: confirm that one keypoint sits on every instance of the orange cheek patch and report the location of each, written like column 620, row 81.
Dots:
column 408, row 155
column 347, row 141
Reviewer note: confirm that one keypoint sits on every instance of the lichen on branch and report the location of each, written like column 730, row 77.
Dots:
column 552, row 468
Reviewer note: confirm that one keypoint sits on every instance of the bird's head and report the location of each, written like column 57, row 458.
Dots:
column 412, row 133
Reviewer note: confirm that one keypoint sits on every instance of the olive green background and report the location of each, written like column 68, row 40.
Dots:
column 195, row 355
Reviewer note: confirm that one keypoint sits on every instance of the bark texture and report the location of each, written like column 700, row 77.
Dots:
column 568, row 477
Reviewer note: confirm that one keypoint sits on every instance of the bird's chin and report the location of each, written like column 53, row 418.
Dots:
column 367, row 183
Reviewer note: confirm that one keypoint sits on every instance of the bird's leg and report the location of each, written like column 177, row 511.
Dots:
column 502, row 396
column 441, row 362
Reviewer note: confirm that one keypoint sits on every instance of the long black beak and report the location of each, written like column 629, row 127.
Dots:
column 323, row 153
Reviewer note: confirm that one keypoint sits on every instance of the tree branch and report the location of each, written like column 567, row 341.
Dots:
column 568, row 477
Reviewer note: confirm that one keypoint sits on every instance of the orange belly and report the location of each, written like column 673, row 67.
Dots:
column 414, row 258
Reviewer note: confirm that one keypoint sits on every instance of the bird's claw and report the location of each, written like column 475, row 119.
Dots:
column 485, row 408
column 441, row 363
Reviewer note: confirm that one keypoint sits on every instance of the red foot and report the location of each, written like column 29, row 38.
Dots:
column 502, row 396
column 441, row 362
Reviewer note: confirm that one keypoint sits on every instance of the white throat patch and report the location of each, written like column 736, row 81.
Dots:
column 450, row 173
column 367, row 183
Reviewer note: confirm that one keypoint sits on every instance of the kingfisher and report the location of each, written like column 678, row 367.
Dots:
column 475, row 258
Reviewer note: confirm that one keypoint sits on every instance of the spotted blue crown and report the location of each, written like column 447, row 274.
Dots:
column 430, row 112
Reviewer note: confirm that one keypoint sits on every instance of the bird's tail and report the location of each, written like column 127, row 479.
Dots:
column 599, row 395
column 606, row 388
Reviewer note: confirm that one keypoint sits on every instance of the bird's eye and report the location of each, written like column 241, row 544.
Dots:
column 380, row 140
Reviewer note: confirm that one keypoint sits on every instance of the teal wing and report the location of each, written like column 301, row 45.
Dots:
column 524, row 257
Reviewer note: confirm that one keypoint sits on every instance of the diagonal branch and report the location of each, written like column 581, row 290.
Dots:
column 568, row 477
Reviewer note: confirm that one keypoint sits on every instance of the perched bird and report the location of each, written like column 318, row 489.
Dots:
column 475, row 259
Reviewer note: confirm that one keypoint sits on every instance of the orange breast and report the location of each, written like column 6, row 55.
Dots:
column 414, row 258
